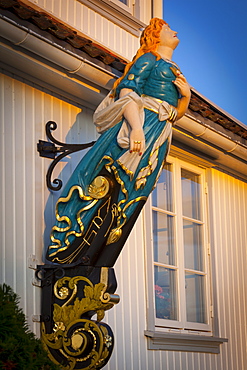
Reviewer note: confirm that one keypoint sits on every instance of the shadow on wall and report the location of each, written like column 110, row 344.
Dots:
column 82, row 131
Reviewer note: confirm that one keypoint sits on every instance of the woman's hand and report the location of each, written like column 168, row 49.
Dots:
column 137, row 141
column 182, row 85
column 184, row 89
column 132, row 115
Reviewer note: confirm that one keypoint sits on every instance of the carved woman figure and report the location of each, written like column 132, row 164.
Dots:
column 105, row 194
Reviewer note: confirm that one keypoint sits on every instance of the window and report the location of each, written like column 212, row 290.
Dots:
column 179, row 249
column 127, row 5
column 177, row 255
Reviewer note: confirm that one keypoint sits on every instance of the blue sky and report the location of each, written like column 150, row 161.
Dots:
column 212, row 52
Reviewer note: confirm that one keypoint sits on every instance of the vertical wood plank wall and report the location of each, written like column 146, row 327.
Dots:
column 92, row 25
column 229, row 247
column 24, row 110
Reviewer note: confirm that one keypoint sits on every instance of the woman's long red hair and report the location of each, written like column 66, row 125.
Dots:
column 149, row 41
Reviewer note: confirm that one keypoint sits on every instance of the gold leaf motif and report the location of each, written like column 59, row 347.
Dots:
column 99, row 188
column 114, row 236
column 88, row 292
column 100, row 315
column 97, row 290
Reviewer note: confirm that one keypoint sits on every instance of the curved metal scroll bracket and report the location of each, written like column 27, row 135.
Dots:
column 48, row 149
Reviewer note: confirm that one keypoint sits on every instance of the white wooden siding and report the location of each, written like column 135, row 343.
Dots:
column 93, row 25
column 24, row 111
column 229, row 203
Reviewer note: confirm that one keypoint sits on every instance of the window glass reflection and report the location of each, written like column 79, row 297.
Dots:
column 163, row 238
column 162, row 196
column 191, row 194
column 165, row 293
column 195, row 297
column 193, row 245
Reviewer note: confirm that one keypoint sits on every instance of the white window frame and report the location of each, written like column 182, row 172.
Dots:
column 115, row 11
column 174, row 335
column 181, row 325
column 129, row 7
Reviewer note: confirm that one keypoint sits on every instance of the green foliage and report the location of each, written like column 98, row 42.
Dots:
column 19, row 348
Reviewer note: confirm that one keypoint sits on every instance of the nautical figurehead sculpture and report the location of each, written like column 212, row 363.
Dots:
column 106, row 192
column 103, row 198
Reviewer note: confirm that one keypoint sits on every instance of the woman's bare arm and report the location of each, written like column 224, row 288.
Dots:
column 131, row 114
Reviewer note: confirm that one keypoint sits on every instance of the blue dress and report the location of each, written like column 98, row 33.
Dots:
column 75, row 209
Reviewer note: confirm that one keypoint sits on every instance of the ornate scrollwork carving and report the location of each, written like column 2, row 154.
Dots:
column 81, row 343
column 84, row 344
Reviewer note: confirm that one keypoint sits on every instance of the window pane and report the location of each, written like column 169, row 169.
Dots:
column 162, row 195
column 124, row 2
column 163, row 238
column 195, row 297
column 193, row 255
column 165, row 293
column 191, row 194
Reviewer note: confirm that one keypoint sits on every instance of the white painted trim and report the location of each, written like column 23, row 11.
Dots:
column 183, row 342
column 193, row 126
column 116, row 14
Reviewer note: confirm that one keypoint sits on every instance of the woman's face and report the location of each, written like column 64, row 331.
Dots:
column 168, row 37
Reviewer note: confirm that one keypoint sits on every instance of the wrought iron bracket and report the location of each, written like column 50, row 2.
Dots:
column 51, row 148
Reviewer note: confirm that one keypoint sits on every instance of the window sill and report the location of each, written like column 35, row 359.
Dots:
column 183, row 342
column 116, row 14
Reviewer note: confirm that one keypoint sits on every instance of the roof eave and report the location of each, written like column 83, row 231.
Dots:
column 189, row 129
